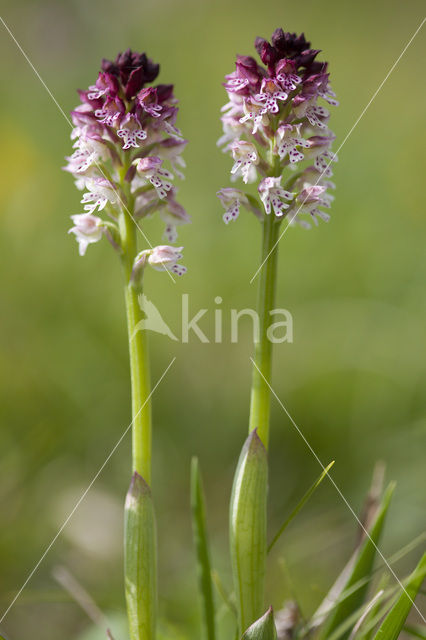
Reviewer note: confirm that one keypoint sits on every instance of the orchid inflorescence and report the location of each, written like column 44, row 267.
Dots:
column 125, row 134
column 277, row 132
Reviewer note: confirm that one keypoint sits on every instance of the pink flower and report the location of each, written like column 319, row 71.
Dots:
column 246, row 158
column 272, row 196
column 131, row 132
column 87, row 230
column 161, row 258
column 231, row 200
column 150, row 169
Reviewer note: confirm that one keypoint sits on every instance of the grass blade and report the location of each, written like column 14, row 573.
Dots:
column 299, row 506
column 199, row 527
column 361, row 569
column 393, row 623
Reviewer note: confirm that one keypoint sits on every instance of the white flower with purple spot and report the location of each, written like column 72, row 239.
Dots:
column 165, row 258
column 272, row 196
column 323, row 163
column 87, row 153
column 290, row 139
column 289, row 81
column 317, row 116
column 171, row 149
column 161, row 258
column 231, row 199
column 87, row 229
column 320, row 150
column 150, row 169
column 101, row 88
column 131, row 132
column 256, row 113
column 330, row 97
column 234, row 82
column 286, row 76
column 269, row 95
column 110, row 112
column 246, row 158
column 100, row 192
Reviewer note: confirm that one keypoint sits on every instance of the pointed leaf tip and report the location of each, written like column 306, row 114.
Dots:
column 138, row 486
column 254, row 444
column 263, row 628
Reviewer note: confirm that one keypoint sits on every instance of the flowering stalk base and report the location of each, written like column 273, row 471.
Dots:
column 260, row 391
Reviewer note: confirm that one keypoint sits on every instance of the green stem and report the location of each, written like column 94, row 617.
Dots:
column 260, row 391
column 138, row 348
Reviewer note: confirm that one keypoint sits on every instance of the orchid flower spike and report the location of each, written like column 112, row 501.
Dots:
column 125, row 139
column 276, row 130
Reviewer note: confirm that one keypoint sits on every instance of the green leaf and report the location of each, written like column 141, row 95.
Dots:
column 299, row 506
column 248, row 530
column 358, row 574
column 263, row 629
column 199, row 527
column 394, row 621
column 140, row 560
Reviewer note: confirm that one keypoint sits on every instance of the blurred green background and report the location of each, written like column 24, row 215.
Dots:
column 353, row 380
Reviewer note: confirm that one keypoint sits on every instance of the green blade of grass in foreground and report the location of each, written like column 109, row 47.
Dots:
column 361, row 569
column 299, row 506
column 393, row 623
column 199, row 527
